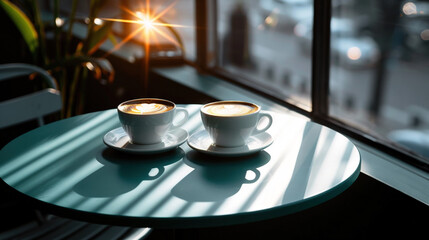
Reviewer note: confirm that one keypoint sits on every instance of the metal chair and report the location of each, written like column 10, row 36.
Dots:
column 31, row 106
column 61, row 228
column 35, row 106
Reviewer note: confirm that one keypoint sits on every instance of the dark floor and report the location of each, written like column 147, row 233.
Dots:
column 367, row 210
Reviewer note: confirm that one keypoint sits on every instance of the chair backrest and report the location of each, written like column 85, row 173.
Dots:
column 30, row 106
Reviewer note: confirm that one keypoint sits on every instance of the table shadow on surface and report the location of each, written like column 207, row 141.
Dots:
column 121, row 173
column 215, row 179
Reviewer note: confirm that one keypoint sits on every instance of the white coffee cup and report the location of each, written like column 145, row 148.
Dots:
column 231, row 123
column 147, row 120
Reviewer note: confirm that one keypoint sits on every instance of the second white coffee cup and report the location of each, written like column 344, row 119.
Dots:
column 231, row 123
column 147, row 120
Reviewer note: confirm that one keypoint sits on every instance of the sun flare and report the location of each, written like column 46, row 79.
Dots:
column 150, row 26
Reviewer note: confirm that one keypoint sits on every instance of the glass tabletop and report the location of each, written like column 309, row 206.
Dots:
column 66, row 168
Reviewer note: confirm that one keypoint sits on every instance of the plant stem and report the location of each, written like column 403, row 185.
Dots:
column 176, row 35
column 71, row 23
column 92, row 15
column 38, row 24
column 63, row 83
column 57, row 30
column 72, row 92
column 82, row 93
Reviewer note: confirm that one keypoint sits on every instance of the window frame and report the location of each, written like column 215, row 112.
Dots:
column 205, row 16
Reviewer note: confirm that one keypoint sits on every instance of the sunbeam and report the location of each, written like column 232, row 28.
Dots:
column 151, row 26
column 150, row 23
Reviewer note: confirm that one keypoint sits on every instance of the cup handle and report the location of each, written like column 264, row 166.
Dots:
column 270, row 122
column 184, row 119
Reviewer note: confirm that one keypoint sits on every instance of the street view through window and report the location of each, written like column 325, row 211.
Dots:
column 260, row 40
column 380, row 68
column 379, row 60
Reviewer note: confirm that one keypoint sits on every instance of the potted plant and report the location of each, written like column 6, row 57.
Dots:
column 69, row 60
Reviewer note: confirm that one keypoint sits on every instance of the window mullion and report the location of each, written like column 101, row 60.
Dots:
column 321, row 59
column 201, row 22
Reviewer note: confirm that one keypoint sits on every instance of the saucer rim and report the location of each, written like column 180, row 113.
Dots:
column 230, row 154
column 147, row 151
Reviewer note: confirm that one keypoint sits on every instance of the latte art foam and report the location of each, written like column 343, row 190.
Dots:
column 145, row 108
column 229, row 109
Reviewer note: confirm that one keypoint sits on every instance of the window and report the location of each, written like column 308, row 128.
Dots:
column 379, row 70
column 268, row 44
column 376, row 71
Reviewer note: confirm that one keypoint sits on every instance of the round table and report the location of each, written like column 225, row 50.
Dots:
column 65, row 168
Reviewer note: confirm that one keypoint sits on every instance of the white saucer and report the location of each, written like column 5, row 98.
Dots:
column 201, row 142
column 118, row 139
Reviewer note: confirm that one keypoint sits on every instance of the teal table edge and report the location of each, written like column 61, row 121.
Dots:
column 172, row 222
column 183, row 223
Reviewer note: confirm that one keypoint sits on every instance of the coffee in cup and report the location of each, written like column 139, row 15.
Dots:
column 231, row 123
column 147, row 120
column 143, row 107
column 229, row 109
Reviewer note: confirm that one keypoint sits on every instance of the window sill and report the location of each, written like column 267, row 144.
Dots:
column 380, row 166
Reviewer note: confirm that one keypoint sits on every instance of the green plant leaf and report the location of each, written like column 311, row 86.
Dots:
column 99, row 36
column 175, row 34
column 24, row 25
column 69, row 62
column 112, row 39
